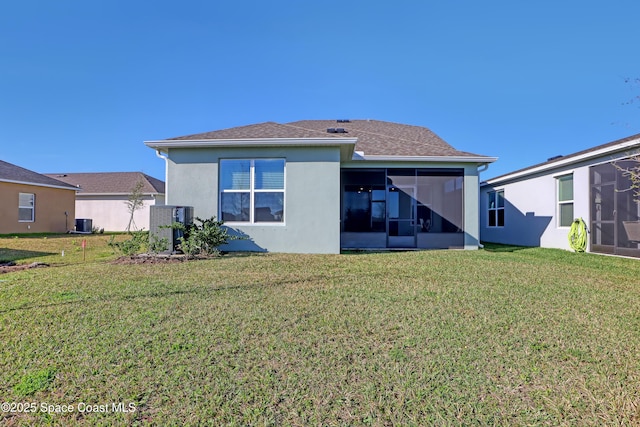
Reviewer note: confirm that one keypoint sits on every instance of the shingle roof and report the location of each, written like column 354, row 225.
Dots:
column 12, row 173
column 380, row 138
column 374, row 137
column 257, row 131
column 613, row 146
column 110, row 182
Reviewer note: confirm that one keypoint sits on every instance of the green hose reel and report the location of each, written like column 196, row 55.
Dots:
column 578, row 235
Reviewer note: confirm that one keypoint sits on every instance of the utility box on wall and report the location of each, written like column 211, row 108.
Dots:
column 162, row 217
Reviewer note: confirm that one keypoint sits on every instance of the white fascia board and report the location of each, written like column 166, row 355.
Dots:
column 435, row 159
column 249, row 142
column 346, row 144
column 81, row 194
column 36, row 184
column 565, row 162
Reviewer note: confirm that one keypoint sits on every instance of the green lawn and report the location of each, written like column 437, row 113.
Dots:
column 503, row 336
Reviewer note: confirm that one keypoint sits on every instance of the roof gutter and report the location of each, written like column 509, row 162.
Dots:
column 248, row 142
column 483, row 167
column 564, row 161
column 61, row 187
column 80, row 194
column 480, row 160
column 346, row 144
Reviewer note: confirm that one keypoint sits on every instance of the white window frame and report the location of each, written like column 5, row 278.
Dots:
column 31, row 206
column 252, row 191
column 493, row 210
column 560, row 203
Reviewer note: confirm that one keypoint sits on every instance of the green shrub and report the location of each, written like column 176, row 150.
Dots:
column 157, row 245
column 204, row 238
column 135, row 245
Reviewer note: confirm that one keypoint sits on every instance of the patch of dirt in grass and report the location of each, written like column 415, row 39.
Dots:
column 10, row 267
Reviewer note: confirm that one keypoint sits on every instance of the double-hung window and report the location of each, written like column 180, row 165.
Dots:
column 26, row 207
column 565, row 200
column 496, row 208
column 252, row 190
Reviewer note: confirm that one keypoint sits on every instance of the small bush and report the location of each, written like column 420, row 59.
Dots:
column 204, row 238
column 135, row 245
column 157, row 245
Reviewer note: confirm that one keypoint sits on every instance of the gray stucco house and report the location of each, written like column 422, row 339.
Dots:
column 319, row 186
column 536, row 206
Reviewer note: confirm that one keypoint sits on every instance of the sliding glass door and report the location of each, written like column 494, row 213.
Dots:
column 401, row 214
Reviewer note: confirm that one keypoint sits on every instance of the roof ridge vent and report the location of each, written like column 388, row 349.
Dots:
column 559, row 156
column 343, row 121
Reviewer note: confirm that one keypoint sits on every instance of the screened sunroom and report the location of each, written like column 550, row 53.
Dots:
column 615, row 209
column 402, row 208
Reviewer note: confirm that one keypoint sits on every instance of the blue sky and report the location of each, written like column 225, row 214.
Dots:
column 84, row 83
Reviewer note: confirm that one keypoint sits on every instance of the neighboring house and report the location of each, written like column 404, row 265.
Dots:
column 319, row 186
column 102, row 197
column 536, row 206
column 34, row 203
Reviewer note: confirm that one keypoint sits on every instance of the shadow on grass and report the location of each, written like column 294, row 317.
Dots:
column 69, row 299
column 7, row 254
column 31, row 235
column 233, row 254
column 383, row 251
column 497, row 247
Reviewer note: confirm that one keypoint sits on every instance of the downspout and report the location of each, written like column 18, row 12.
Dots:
column 166, row 173
column 483, row 167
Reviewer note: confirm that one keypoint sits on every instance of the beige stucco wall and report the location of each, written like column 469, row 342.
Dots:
column 111, row 212
column 50, row 207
